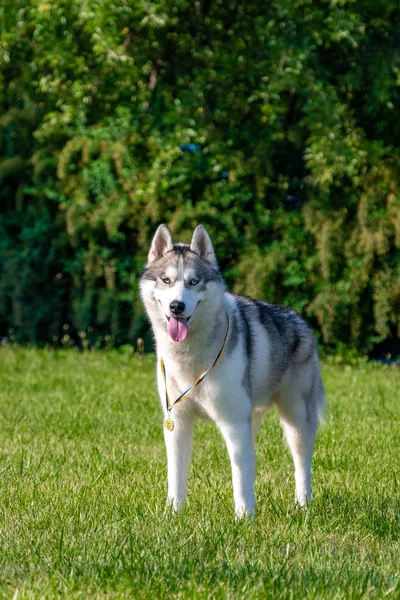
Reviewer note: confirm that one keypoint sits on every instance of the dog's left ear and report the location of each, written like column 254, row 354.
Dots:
column 201, row 245
column 162, row 243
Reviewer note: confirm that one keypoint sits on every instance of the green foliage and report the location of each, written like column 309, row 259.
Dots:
column 98, row 101
column 84, row 485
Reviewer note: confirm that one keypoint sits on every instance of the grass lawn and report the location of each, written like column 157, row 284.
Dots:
column 83, row 484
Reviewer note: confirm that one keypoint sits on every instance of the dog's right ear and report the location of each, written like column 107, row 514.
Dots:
column 162, row 243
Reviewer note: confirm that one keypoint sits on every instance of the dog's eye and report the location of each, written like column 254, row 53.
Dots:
column 194, row 281
column 166, row 280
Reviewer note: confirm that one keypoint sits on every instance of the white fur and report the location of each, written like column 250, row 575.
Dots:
column 178, row 291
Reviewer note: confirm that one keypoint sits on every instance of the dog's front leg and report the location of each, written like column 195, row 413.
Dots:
column 240, row 448
column 179, row 448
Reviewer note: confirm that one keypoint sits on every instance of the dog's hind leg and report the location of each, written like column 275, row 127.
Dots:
column 299, row 419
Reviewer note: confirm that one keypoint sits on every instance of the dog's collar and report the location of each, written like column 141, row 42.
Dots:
column 169, row 424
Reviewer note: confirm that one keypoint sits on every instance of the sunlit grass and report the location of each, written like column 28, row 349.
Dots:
column 83, row 483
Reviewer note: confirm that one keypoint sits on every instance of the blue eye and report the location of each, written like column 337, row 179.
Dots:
column 194, row 281
column 166, row 280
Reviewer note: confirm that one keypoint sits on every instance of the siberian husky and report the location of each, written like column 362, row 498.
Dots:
column 227, row 358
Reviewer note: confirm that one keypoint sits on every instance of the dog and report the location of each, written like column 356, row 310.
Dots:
column 227, row 358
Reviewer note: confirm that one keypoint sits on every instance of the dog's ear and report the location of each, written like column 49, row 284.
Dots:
column 162, row 243
column 201, row 245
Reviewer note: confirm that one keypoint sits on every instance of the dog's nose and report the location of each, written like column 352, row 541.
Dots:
column 177, row 307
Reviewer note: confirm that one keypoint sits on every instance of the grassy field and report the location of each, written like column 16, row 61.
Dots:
column 83, row 483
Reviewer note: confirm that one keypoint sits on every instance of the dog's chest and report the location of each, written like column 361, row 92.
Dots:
column 185, row 374
column 211, row 390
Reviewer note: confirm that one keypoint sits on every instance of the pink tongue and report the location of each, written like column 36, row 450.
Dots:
column 178, row 329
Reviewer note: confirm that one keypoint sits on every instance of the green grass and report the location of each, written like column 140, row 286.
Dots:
column 83, row 484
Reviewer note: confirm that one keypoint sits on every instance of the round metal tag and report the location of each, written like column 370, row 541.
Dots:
column 169, row 424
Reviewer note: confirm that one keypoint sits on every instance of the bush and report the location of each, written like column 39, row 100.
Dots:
column 274, row 125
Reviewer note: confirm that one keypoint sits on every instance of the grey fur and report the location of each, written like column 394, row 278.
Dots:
column 234, row 335
column 190, row 259
column 243, row 307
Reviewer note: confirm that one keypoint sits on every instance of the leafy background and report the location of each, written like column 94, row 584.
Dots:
column 274, row 124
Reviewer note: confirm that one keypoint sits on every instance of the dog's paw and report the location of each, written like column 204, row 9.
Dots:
column 303, row 498
column 242, row 512
column 173, row 506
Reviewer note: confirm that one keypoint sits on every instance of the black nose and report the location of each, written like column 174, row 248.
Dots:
column 177, row 307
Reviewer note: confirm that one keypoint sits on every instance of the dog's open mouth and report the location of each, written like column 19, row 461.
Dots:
column 178, row 328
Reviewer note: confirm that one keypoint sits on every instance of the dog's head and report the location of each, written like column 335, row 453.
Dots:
column 181, row 285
